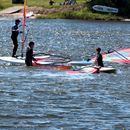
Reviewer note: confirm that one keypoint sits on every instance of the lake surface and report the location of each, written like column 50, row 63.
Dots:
column 40, row 99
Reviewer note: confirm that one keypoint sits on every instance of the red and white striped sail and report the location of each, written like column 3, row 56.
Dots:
column 119, row 56
column 24, row 26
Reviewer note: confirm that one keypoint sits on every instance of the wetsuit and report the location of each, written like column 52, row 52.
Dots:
column 14, row 36
column 29, row 57
column 51, row 2
column 99, row 60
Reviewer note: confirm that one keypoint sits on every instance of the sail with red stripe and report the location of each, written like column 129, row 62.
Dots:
column 119, row 56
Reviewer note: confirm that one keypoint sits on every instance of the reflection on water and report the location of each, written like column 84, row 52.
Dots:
column 33, row 98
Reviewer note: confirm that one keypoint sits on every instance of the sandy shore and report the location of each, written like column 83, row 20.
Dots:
column 16, row 11
column 34, row 12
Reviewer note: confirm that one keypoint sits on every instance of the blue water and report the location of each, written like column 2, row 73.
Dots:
column 41, row 99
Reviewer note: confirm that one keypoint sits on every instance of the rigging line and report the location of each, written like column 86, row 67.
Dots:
column 119, row 54
column 26, row 35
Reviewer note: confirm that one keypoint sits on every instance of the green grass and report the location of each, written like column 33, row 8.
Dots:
column 5, row 4
column 46, row 2
column 83, row 13
column 42, row 3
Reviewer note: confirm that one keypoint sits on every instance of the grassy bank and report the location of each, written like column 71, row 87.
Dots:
column 78, row 11
column 5, row 4
column 45, row 3
column 40, row 3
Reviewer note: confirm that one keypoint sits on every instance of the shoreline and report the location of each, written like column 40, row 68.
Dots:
column 56, row 13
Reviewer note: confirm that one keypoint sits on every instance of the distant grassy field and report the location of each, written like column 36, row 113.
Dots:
column 7, row 3
column 64, row 12
column 46, row 2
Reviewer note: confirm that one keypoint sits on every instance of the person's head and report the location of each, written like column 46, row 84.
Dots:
column 17, row 21
column 98, row 50
column 31, row 44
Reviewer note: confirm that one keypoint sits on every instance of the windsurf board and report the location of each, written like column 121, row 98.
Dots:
column 96, row 69
column 19, row 59
column 80, row 63
column 106, row 9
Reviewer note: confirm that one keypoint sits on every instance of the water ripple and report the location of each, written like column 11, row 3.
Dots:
column 37, row 99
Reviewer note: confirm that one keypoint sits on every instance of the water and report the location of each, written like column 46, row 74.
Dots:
column 39, row 99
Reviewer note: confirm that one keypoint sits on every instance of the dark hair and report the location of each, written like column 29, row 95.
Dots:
column 31, row 43
column 17, row 21
column 98, row 49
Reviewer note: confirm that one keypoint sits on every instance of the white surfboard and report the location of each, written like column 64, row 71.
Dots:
column 20, row 60
column 107, row 9
column 96, row 69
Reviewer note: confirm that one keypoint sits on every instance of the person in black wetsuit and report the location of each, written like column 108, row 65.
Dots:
column 99, row 59
column 29, row 54
column 51, row 2
column 14, row 36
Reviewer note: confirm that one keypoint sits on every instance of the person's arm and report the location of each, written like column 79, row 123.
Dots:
column 34, row 59
column 95, row 62
column 15, row 28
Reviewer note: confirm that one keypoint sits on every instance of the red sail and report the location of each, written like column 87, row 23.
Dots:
column 24, row 25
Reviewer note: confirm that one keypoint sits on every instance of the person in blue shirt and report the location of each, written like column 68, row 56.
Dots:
column 99, row 59
column 14, row 36
column 29, row 54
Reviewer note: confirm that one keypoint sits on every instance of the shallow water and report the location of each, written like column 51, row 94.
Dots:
column 39, row 99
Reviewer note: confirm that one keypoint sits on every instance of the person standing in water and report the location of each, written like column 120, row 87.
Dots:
column 14, row 36
column 29, row 54
column 99, row 60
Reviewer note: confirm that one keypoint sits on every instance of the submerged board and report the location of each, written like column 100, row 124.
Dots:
column 80, row 63
column 52, row 63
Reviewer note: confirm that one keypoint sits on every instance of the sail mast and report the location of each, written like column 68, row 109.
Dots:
column 24, row 25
